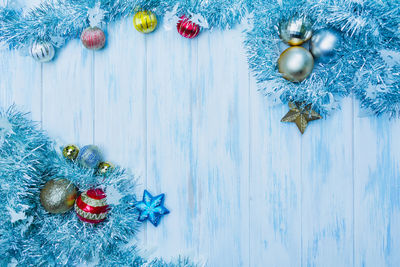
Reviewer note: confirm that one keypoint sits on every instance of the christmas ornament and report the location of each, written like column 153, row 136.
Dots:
column 151, row 208
column 324, row 43
column 187, row 28
column 58, row 195
column 70, row 152
column 105, row 168
column 145, row 21
column 42, row 51
column 89, row 156
column 91, row 206
column 93, row 38
column 296, row 30
column 296, row 63
column 300, row 115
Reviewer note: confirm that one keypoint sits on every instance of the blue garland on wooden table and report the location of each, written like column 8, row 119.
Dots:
column 35, row 234
column 366, row 61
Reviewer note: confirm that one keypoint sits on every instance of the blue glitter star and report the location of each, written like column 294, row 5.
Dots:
column 151, row 208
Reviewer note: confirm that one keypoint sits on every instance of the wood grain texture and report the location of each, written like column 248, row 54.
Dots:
column 243, row 188
column 376, row 191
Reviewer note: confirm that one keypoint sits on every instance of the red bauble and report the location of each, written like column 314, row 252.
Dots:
column 91, row 206
column 93, row 38
column 187, row 28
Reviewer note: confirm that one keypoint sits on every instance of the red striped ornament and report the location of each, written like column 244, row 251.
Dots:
column 91, row 206
column 187, row 28
column 93, row 38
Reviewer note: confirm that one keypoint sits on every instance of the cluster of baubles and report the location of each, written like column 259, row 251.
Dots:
column 296, row 62
column 94, row 38
column 60, row 195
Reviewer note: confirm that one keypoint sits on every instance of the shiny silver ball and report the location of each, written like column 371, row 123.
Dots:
column 295, row 63
column 42, row 51
column 296, row 30
column 324, row 43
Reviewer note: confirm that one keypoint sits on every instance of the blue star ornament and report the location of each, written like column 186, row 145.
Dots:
column 151, row 208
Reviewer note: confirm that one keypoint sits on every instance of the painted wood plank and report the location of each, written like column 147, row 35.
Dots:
column 376, row 191
column 327, row 190
column 220, row 156
column 68, row 103
column 171, row 79
column 120, row 97
column 275, row 185
column 20, row 83
column 120, row 80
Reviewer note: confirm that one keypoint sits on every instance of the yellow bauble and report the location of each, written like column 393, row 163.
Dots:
column 145, row 21
column 70, row 152
column 58, row 195
column 296, row 63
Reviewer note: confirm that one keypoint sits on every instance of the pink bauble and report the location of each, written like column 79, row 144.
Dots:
column 187, row 28
column 93, row 38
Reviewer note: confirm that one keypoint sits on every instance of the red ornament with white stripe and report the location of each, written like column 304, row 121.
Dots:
column 187, row 28
column 91, row 206
column 93, row 38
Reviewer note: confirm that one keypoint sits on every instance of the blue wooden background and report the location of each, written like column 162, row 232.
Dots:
column 243, row 188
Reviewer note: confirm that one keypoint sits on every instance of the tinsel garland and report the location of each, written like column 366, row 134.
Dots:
column 368, row 61
column 58, row 21
column 30, row 236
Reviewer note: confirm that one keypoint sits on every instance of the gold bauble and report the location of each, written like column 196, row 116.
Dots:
column 58, row 195
column 70, row 152
column 296, row 30
column 145, row 21
column 296, row 63
column 104, row 168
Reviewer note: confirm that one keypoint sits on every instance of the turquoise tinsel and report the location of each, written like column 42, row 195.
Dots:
column 368, row 62
column 29, row 236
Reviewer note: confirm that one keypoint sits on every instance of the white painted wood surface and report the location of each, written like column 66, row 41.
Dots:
column 243, row 188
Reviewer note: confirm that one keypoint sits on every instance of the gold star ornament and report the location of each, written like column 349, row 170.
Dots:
column 301, row 115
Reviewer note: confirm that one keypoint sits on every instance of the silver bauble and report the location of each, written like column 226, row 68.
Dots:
column 42, row 51
column 58, row 195
column 324, row 44
column 296, row 30
column 296, row 63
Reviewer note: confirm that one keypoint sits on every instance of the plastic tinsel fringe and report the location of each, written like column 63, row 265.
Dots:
column 367, row 64
column 29, row 236
column 58, row 21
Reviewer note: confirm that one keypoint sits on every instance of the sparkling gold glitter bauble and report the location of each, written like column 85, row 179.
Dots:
column 145, row 21
column 296, row 30
column 104, row 168
column 70, row 152
column 295, row 63
column 58, row 195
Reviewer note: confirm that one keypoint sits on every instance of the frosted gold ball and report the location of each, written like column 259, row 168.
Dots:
column 58, row 195
column 105, row 168
column 70, row 152
column 296, row 63
column 296, row 30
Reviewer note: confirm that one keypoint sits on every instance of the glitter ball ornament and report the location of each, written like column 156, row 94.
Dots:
column 93, row 38
column 296, row 63
column 89, row 156
column 187, row 28
column 58, row 195
column 145, row 21
column 104, row 168
column 296, row 30
column 42, row 51
column 70, row 152
column 91, row 206
column 324, row 44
